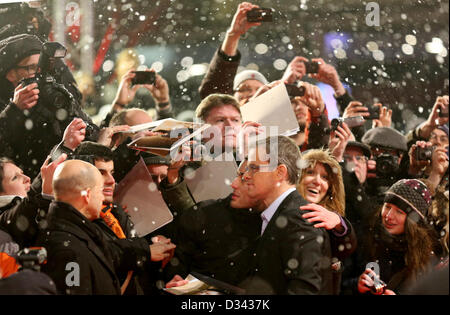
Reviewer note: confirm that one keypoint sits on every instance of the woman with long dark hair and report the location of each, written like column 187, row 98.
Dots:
column 399, row 249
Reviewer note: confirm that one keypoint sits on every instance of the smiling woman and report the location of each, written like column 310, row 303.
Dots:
column 321, row 181
column 321, row 184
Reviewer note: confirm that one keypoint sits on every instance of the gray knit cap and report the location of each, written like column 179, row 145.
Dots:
column 385, row 137
column 248, row 75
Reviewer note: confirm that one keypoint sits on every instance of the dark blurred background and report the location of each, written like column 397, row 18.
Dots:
column 403, row 63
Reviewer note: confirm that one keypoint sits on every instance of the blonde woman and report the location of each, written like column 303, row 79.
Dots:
column 321, row 184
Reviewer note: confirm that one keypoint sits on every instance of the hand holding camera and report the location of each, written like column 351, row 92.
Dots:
column 339, row 138
column 298, row 68
column 241, row 23
column 420, row 156
column 43, row 82
column 439, row 113
column 126, row 91
column 384, row 114
column 239, row 26
column 159, row 89
column 369, row 281
column 439, row 161
column 47, row 171
column 26, row 97
column 356, row 108
column 313, row 99
column 438, row 117
column 295, row 71
column 327, row 74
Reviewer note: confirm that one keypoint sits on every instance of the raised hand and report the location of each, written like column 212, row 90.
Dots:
column 295, row 71
column 26, row 97
column 159, row 90
column 74, row 133
column 338, row 141
column 385, row 119
column 126, row 91
column 328, row 75
column 47, row 171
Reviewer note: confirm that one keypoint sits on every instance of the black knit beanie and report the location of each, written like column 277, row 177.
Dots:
column 15, row 48
column 410, row 195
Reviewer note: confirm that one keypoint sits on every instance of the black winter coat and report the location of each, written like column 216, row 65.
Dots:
column 23, row 218
column 72, row 238
column 28, row 136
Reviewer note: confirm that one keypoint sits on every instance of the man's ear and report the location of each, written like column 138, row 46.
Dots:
column 86, row 195
column 116, row 140
column 282, row 172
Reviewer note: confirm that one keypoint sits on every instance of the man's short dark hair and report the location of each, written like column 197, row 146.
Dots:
column 288, row 154
column 119, row 118
column 98, row 151
column 213, row 101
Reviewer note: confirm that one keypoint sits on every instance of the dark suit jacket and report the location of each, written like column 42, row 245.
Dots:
column 291, row 257
column 212, row 237
column 70, row 237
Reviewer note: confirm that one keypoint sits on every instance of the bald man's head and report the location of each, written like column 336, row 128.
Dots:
column 130, row 117
column 79, row 184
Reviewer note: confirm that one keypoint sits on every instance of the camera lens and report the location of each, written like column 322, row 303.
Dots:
column 386, row 165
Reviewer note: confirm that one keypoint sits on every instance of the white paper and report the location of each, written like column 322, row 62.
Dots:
column 162, row 125
column 146, row 126
column 273, row 108
column 212, row 180
column 193, row 286
column 144, row 202
column 164, row 151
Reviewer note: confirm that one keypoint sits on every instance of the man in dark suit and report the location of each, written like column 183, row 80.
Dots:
column 81, row 260
column 291, row 257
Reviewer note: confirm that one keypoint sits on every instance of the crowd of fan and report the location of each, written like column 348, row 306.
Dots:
column 343, row 211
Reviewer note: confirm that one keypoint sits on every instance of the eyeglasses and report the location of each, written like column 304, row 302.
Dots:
column 30, row 69
column 359, row 158
column 377, row 151
column 251, row 169
column 435, row 137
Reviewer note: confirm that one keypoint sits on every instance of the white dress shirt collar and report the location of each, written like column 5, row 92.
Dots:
column 267, row 214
